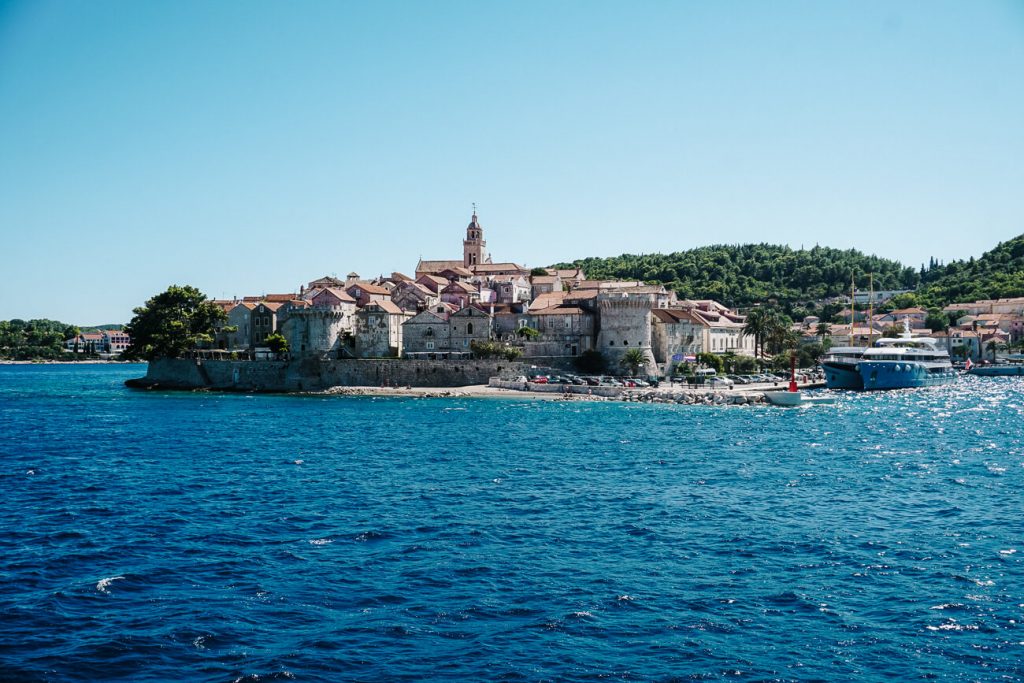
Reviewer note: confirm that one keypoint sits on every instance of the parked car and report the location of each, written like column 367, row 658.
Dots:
column 539, row 379
column 720, row 382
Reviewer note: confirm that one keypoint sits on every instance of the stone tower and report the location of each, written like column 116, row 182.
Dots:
column 474, row 248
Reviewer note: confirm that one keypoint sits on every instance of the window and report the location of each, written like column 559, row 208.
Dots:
column 469, row 328
column 429, row 332
column 625, row 343
column 430, row 345
column 611, row 343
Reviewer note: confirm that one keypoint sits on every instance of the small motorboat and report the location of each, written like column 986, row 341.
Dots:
column 793, row 397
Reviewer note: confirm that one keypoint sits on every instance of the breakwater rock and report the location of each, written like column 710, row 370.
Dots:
column 684, row 397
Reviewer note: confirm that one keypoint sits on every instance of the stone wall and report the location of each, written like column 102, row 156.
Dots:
column 312, row 374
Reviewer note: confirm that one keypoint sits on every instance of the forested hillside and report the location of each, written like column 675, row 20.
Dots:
column 742, row 275
column 34, row 339
column 998, row 274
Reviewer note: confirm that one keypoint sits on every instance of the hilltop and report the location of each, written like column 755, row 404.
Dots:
column 744, row 275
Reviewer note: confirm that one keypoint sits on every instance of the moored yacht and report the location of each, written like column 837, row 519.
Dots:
column 904, row 362
column 840, row 366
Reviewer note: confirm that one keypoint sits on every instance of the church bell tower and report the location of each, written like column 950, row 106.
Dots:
column 474, row 248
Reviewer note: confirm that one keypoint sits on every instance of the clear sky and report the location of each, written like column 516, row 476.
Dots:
column 248, row 147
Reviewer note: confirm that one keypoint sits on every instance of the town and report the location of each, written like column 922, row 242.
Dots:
column 474, row 307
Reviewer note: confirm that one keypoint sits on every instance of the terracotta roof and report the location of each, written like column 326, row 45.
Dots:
column 271, row 305
column 496, row 267
column 386, row 306
column 608, row 284
column 369, row 288
column 326, row 281
column 340, row 294
column 437, row 266
column 547, row 300
column 400, row 277
column 246, row 304
column 544, row 279
column 578, row 295
column 279, row 298
column 561, row 310
column 434, row 278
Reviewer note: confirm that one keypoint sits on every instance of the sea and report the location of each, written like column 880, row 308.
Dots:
column 189, row 536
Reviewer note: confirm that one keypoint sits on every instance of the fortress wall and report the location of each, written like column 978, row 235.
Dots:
column 315, row 374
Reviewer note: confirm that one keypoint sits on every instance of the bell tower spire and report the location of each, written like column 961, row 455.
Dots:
column 474, row 248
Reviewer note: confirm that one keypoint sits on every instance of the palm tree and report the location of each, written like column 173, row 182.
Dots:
column 633, row 360
column 755, row 327
column 823, row 330
column 993, row 346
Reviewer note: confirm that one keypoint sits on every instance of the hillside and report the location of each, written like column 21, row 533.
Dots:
column 742, row 275
column 997, row 274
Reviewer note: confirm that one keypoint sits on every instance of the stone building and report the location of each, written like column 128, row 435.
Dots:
column 510, row 289
column 689, row 328
column 364, row 293
column 466, row 326
column 264, row 322
column 565, row 330
column 444, row 333
column 412, row 296
column 378, row 330
column 625, row 318
column 239, row 318
column 426, row 334
column 321, row 327
column 543, row 284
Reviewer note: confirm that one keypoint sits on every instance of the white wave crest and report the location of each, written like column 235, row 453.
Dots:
column 103, row 584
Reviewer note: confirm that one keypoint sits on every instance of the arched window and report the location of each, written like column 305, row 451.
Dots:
column 625, row 343
column 611, row 343
column 469, row 328
column 429, row 332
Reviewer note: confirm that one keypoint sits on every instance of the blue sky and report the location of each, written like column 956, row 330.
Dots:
column 248, row 147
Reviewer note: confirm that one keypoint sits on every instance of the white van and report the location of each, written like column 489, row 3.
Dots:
column 705, row 372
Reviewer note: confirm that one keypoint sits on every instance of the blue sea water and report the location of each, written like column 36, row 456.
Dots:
column 151, row 536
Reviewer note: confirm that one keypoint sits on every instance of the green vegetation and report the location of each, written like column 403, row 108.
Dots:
column 171, row 323
column 632, row 360
column 743, row 275
column 490, row 349
column 277, row 343
column 998, row 274
column 35, row 339
column 528, row 332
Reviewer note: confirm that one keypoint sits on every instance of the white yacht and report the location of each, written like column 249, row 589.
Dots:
column 905, row 361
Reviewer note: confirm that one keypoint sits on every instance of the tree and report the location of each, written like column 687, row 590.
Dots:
column 993, row 346
column 539, row 271
column 937, row 321
column 277, row 343
column 633, row 360
column 528, row 332
column 755, row 326
column 711, row 360
column 823, row 330
column 171, row 323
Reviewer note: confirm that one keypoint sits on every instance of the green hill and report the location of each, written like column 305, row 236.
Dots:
column 997, row 274
column 742, row 275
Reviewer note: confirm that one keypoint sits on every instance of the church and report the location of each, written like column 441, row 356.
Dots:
column 476, row 262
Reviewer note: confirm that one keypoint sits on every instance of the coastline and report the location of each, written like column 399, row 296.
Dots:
column 71, row 362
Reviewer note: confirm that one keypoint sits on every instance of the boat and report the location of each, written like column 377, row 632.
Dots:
column 840, row 363
column 905, row 362
column 1014, row 368
column 840, row 366
column 793, row 397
